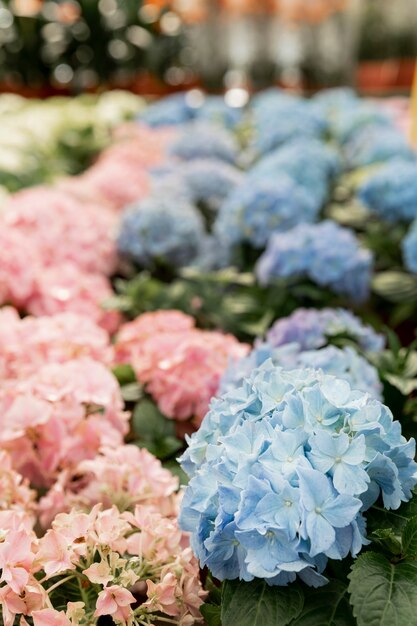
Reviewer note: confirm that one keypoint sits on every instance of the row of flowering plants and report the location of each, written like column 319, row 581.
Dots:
column 207, row 373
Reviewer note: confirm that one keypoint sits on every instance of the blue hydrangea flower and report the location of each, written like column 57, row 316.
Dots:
column 345, row 363
column 330, row 102
column 215, row 109
column 309, row 162
column 314, row 328
column 376, row 144
column 169, row 111
column 282, row 472
column 353, row 119
column 278, row 117
column 258, row 208
column 326, row 253
column 209, row 180
column 391, row 192
column 202, row 140
column 162, row 228
column 213, row 254
column 409, row 248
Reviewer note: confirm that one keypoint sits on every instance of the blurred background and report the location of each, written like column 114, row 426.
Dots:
column 158, row 46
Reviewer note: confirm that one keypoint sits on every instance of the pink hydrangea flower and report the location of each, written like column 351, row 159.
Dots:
column 117, row 182
column 63, row 228
column 68, row 288
column 20, row 263
column 162, row 595
column 124, row 476
column 115, row 601
column 50, row 617
column 120, row 175
column 16, row 558
column 180, row 365
column 12, row 604
column 113, row 554
column 15, row 493
column 27, row 344
column 60, row 416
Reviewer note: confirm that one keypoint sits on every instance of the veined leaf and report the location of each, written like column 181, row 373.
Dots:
column 257, row 604
column 383, row 593
column 327, row 606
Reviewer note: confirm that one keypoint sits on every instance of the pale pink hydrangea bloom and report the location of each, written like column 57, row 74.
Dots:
column 62, row 228
column 176, row 590
column 117, row 183
column 67, row 288
column 15, row 493
column 121, row 553
column 27, row 344
column 60, row 416
column 50, row 617
column 115, row 601
column 120, row 175
column 180, row 365
column 124, row 476
column 20, row 264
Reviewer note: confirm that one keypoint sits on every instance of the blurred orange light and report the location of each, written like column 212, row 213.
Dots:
column 26, row 8
column 68, row 12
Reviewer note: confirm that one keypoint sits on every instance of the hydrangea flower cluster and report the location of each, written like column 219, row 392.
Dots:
column 344, row 363
column 215, row 110
column 326, row 253
column 169, row 111
column 209, row 181
column 282, row 471
column 278, row 117
column 15, row 492
column 162, row 229
column 120, row 175
column 391, row 192
column 62, row 427
column 178, row 109
column 313, row 328
column 124, row 476
column 204, row 140
column 258, row 208
column 355, row 115
column 62, row 414
column 180, row 365
column 41, row 277
column 376, row 144
column 45, row 216
column 29, row 343
column 329, row 102
column 109, row 555
column 309, row 162
column 409, row 248
column 67, row 288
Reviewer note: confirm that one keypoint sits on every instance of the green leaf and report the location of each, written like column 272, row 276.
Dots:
column 326, row 606
column 404, row 385
column 257, row 604
column 211, row 614
column 387, row 539
column 175, row 468
column 409, row 538
column 124, row 373
column 383, row 594
column 149, row 423
column 154, row 431
column 131, row 392
column 396, row 286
